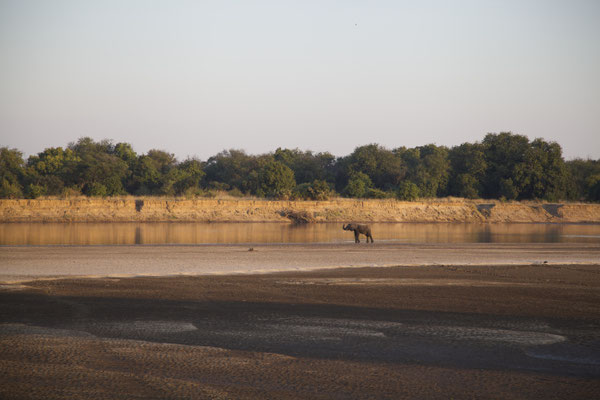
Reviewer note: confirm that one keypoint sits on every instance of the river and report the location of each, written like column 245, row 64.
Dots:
column 236, row 233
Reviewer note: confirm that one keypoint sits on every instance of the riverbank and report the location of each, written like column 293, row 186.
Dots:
column 155, row 209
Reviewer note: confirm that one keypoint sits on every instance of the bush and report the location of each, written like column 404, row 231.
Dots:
column 358, row 185
column 96, row 190
column 301, row 191
column 466, row 186
column 319, row 190
column 192, row 192
column 219, row 186
column 114, row 186
column 276, row 180
column 373, row 193
column 593, row 188
column 10, row 190
column 70, row 192
column 407, row 191
column 235, row 192
column 508, row 189
column 34, row 191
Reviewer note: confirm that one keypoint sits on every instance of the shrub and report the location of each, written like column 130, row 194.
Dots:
column 407, row 191
column 593, row 188
column 235, row 192
column 34, row 191
column 373, row 193
column 276, row 180
column 10, row 190
column 96, row 190
column 358, row 185
column 508, row 189
column 70, row 192
column 301, row 191
column 319, row 190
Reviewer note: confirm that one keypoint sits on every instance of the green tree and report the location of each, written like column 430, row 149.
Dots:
column 578, row 173
column 50, row 171
column 507, row 189
column 276, row 179
column 358, row 185
column 126, row 153
column 98, row 167
column 146, row 178
column 466, row 185
column 544, row 174
column 306, row 165
column 523, row 170
column 505, row 156
column 184, row 177
column 316, row 190
column 236, row 169
column 382, row 166
column 155, row 173
column 428, row 168
column 11, row 173
column 593, row 188
column 407, row 191
column 467, row 170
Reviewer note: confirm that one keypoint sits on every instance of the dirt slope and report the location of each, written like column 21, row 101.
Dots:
column 248, row 210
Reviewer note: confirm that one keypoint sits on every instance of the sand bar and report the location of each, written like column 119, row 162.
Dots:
column 21, row 263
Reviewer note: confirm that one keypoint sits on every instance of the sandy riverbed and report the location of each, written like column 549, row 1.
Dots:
column 29, row 262
column 438, row 332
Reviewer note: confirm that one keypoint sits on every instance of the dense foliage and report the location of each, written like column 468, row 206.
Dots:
column 501, row 166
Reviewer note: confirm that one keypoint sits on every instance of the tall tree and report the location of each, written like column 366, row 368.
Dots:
column 50, row 171
column 99, row 172
column 505, row 155
column 234, row 168
column 580, row 179
column 11, row 173
column 467, row 170
column 427, row 167
column 383, row 168
column 306, row 165
column 276, row 179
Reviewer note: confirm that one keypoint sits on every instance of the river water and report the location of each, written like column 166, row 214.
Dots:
column 222, row 233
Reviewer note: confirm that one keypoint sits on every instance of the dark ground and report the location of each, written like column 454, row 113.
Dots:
column 504, row 332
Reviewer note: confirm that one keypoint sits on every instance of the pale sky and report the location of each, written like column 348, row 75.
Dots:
column 196, row 77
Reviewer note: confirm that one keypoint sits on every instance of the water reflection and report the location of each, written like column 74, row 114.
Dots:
column 196, row 233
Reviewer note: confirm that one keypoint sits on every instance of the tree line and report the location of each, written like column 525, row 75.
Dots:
column 501, row 166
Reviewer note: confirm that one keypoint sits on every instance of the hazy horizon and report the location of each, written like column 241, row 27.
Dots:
column 197, row 77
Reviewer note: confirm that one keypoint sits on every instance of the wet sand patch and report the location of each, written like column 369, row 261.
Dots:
column 532, row 332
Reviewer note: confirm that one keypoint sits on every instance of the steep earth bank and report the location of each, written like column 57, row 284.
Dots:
column 130, row 209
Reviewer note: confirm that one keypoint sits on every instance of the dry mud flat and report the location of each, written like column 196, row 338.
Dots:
column 505, row 332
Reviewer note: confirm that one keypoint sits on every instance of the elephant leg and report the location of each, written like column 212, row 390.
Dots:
column 356, row 239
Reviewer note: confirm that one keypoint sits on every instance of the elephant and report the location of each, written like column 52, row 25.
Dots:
column 359, row 229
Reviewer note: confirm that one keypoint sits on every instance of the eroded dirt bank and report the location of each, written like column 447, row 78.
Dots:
column 435, row 332
column 337, row 210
